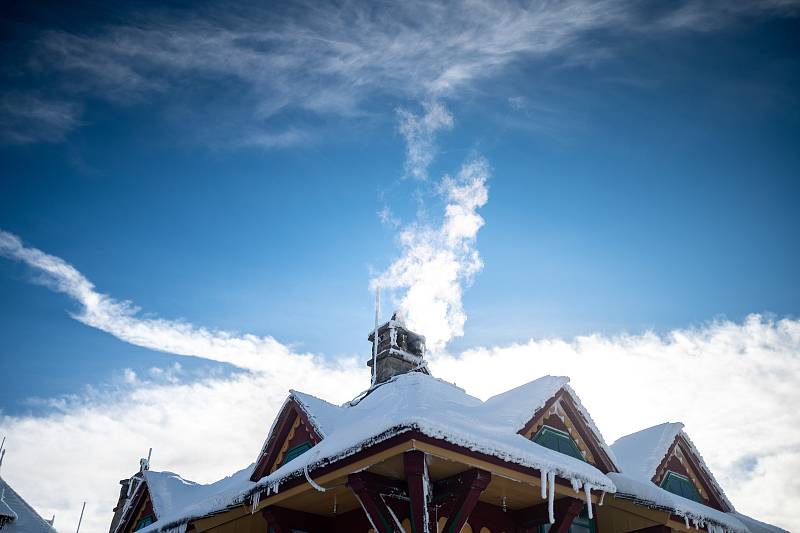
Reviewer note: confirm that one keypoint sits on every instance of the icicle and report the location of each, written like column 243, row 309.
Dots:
column 255, row 500
column 427, row 495
column 602, row 497
column 504, row 504
column 686, row 520
column 313, row 483
column 334, row 504
column 588, row 490
column 544, row 483
column 576, row 484
column 369, row 517
column 551, row 495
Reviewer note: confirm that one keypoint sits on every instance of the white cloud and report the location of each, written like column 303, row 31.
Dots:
column 733, row 384
column 419, row 132
column 27, row 118
column 438, row 262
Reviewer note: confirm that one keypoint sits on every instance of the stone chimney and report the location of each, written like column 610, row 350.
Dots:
column 399, row 350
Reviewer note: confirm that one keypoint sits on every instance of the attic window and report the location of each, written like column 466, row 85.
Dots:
column 296, row 451
column 557, row 440
column 680, row 485
column 144, row 522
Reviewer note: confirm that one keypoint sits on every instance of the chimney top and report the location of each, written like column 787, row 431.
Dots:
column 399, row 350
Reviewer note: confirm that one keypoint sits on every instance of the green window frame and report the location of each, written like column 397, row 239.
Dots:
column 680, row 485
column 296, row 451
column 144, row 522
column 581, row 524
column 557, row 440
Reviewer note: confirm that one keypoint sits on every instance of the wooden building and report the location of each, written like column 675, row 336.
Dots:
column 415, row 454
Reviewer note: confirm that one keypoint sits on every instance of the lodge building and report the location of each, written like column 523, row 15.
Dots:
column 415, row 454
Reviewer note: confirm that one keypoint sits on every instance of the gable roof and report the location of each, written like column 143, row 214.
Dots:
column 642, row 453
column 416, row 401
column 24, row 518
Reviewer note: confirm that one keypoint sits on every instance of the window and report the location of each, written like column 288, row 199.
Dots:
column 581, row 524
column 144, row 522
column 680, row 485
column 557, row 440
column 297, row 451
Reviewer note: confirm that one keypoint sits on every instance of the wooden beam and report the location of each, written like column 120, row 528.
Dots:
column 536, row 515
column 417, row 480
column 285, row 520
column 654, row 529
column 564, row 519
column 466, row 488
column 366, row 489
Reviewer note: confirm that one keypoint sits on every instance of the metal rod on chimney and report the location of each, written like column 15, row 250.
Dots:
column 81, row 518
column 375, row 335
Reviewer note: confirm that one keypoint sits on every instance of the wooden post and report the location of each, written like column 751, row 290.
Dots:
column 565, row 518
column 416, row 474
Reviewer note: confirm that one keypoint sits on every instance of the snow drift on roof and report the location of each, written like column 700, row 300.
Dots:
column 640, row 453
column 26, row 519
column 646, row 492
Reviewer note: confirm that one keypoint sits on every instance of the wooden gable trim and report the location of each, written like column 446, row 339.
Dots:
column 292, row 418
column 142, row 505
column 681, row 450
column 562, row 406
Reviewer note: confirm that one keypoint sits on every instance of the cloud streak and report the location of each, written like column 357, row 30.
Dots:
column 333, row 59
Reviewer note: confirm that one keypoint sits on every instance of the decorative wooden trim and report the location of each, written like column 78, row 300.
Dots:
column 563, row 406
column 380, row 516
column 467, row 490
column 287, row 422
column 697, row 475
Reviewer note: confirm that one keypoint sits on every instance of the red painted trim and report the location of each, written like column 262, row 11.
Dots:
column 564, row 520
column 716, row 500
column 474, row 483
column 414, row 465
column 291, row 409
column 372, row 502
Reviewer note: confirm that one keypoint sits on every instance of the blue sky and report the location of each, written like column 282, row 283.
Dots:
column 227, row 168
column 639, row 181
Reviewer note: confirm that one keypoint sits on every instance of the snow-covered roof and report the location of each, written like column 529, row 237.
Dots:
column 645, row 492
column 416, row 401
column 175, row 498
column 25, row 518
column 170, row 494
column 640, row 454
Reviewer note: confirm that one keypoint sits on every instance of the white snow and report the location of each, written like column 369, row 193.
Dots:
column 416, row 401
column 25, row 518
column 648, row 493
column 639, row 454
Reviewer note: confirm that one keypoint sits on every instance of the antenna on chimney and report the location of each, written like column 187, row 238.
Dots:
column 79, row 519
column 2, row 451
column 375, row 335
column 144, row 464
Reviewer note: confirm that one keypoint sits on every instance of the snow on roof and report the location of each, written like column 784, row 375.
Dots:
column 757, row 527
column 175, row 498
column 324, row 416
column 171, row 494
column 416, row 401
column 25, row 518
column 645, row 492
column 641, row 453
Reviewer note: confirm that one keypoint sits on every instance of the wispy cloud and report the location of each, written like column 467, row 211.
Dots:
column 332, row 59
column 122, row 319
column 419, row 132
column 27, row 118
